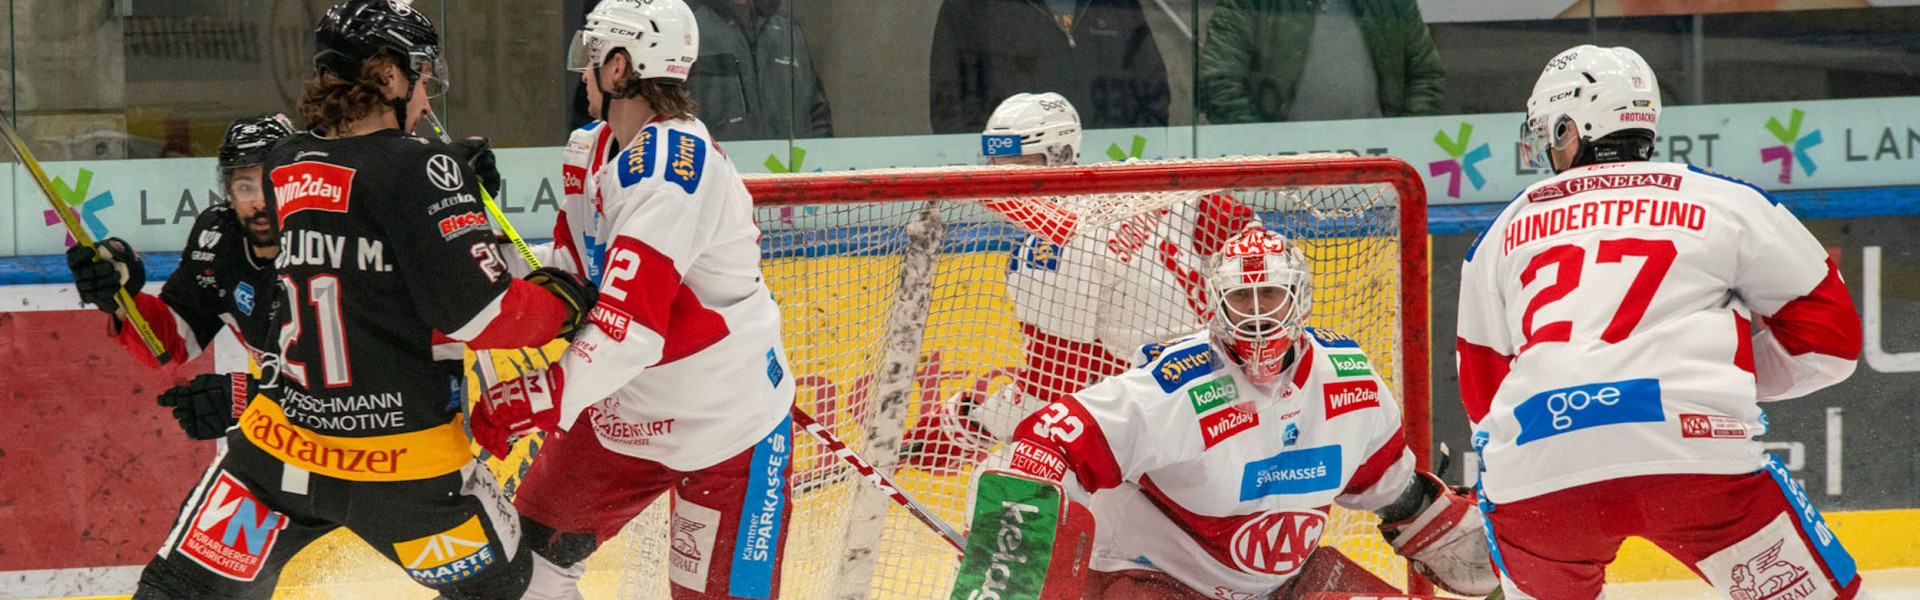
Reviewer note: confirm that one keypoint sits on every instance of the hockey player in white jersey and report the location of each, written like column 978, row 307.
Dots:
column 1619, row 324
column 1086, row 297
column 1210, row 466
column 680, row 384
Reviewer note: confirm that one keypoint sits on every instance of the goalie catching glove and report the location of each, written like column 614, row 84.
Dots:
column 1446, row 541
column 515, row 408
column 100, row 271
column 210, row 404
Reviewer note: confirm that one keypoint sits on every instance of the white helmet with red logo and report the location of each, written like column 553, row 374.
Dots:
column 1262, row 290
column 660, row 37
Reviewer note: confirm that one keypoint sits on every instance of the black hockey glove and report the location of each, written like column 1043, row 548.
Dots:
column 118, row 267
column 478, row 153
column 577, row 293
column 210, row 404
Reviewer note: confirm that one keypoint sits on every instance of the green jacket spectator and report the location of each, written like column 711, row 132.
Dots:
column 1257, row 52
column 753, row 66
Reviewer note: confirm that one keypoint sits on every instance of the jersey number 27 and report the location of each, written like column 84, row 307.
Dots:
column 1569, row 259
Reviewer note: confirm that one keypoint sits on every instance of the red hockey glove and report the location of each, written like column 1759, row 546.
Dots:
column 1447, row 542
column 514, row 408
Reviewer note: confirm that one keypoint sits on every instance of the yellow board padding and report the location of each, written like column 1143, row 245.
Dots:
column 1877, row 539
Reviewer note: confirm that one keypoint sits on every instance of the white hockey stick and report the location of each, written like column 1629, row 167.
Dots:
column 880, row 480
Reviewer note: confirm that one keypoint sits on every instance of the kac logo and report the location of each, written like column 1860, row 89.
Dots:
column 1278, row 542
column 87, row 211
column 1793, row 146
column 1461, row 161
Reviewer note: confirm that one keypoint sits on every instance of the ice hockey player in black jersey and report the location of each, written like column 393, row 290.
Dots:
column 382, row 244
column 225, row 280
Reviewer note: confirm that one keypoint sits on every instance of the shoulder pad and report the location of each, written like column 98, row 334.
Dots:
column 1183, row 363
column 1331, row 339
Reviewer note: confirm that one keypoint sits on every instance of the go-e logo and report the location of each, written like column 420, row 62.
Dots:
column 1554, row 412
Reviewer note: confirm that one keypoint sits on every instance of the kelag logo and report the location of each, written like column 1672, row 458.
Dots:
column 87, row 211
column 1793, row 146
column 1463, row 161
column 1554, row 412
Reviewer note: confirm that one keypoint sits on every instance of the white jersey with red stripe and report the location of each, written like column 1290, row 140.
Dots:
column 1195, row 472
column 1605, row 323
column 1124, row 284
column 684, row 346
column 578, row 245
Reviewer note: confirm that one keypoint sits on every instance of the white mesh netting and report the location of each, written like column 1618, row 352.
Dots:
column 906, row 308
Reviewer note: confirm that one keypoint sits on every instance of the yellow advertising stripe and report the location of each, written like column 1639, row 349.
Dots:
column 1877, row 539
column 399, row 457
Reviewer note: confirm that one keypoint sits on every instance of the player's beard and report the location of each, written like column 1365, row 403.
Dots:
column 261, row 232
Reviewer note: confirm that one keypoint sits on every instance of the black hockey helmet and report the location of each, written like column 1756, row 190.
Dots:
column 249, row 138
column 355, row 31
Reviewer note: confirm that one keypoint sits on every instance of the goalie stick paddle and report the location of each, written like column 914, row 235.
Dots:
column 79, row 234
column 880, row 480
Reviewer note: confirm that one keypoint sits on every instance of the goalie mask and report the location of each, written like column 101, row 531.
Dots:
column 660, row 37
column 1585, row 94
column 1043, row 125
column 1262, row 290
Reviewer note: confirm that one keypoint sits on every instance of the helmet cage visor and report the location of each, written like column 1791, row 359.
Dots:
column 432, row 70
column 1538, row 140
column 585, row 52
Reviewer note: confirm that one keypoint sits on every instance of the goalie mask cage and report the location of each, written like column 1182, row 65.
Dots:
column 898, row 311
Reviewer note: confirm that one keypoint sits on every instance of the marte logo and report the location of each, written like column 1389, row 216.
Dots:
column 443, row 172
column 208, row 238
column 1277, row 542
column 448, row 556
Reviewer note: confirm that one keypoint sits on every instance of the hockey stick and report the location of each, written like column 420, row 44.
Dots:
column 880, row 480
column 80, row 236
column 538, row 438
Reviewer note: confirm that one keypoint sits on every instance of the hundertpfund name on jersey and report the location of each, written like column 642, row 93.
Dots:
column 1554, row 412
column 1297, row 472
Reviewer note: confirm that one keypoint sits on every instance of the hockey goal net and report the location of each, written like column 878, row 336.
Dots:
column 895, row 290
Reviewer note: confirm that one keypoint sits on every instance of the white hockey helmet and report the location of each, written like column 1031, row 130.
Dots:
column 1599, row 91
column 1026, row 124
column 1261, row 287
column 660, row 37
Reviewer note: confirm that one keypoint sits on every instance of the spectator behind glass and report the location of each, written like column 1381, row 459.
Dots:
column 1304, row 60
column 1098, row 54
column 753, row 65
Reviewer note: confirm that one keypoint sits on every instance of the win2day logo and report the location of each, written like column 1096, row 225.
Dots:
column 1793, row 146
column 1463, row 161
column 87, row 210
